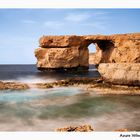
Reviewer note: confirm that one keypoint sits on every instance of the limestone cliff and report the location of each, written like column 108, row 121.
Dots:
column 62, row 52
column 72, row 51
column 121, row 73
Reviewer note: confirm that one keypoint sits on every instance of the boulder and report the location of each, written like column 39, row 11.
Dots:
column 13, row 86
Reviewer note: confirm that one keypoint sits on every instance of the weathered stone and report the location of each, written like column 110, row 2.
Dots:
column 81, row 128
column 120, row 73
column 66, row 52
column 13, row 86
column 61, row 57
column 95, row 58
column 61, row 41
column 122, row 130
column 72, row 51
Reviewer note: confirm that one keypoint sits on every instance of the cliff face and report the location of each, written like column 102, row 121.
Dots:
column 62, row 52
column 57, row 52
column 121, row 73
column 123, row 48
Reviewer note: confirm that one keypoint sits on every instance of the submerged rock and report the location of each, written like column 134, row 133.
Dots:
column 69, row 82
column 43, row 85
column 13, row 86
column 80, row 128
column 93, row 84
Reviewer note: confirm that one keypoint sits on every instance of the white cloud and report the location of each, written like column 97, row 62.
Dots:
column 99, row 13
column 96, row 20
column 28, row 21
column 54, row 24
column 97, row 25
column 77, row 17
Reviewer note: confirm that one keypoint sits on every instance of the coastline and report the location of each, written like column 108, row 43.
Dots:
column 91, row 86
column 97, row 85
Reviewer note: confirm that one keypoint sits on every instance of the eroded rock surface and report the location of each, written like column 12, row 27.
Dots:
column 81, row 128
column 72, row 51
column 120, row 51
column 120, row 73
column 13, row 86
column 61, row 57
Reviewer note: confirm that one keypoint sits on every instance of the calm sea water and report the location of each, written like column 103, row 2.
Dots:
column 48, row 109
column 29, row 73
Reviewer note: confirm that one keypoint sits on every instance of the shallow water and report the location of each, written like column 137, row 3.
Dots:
column 48, row 109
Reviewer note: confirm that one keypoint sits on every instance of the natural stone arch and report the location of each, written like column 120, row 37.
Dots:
column 71, row 51
column 103, row 50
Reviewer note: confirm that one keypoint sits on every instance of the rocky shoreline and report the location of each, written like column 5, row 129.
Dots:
column 13, row 86
column 89, row 84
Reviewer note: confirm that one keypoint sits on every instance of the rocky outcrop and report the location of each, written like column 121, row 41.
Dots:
column 80, row 128
column 72, row 51
column 120, row 73
column 119, row 48
column 68, row 52
column 13, row 86
column 84, row 128
column 56, row 58
column 61, row 52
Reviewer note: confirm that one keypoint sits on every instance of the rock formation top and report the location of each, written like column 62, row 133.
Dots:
column 73, row 40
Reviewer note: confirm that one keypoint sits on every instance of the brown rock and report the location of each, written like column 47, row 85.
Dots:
column 81, row 128
column 60, row 41
column 13, row 86
column 95, row 58
column 120, row 73
column 72, row 51
column 61, row 57
column 121, row 130
column 2, row 86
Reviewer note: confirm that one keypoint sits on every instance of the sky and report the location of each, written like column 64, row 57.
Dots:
column 20, row 29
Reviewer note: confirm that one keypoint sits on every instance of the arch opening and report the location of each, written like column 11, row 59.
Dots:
column 92, row 51
column 99, row 51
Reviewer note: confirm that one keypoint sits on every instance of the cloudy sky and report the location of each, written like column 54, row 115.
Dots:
column 20, row 29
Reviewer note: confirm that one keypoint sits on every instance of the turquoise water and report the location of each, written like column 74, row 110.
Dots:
column 48, row 109
column 33, row 94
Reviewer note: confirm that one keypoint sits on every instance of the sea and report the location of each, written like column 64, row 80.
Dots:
column 49, row 109
column 30, row 73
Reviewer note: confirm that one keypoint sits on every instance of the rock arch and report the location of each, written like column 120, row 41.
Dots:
column 104, row 48
column 71, row 51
